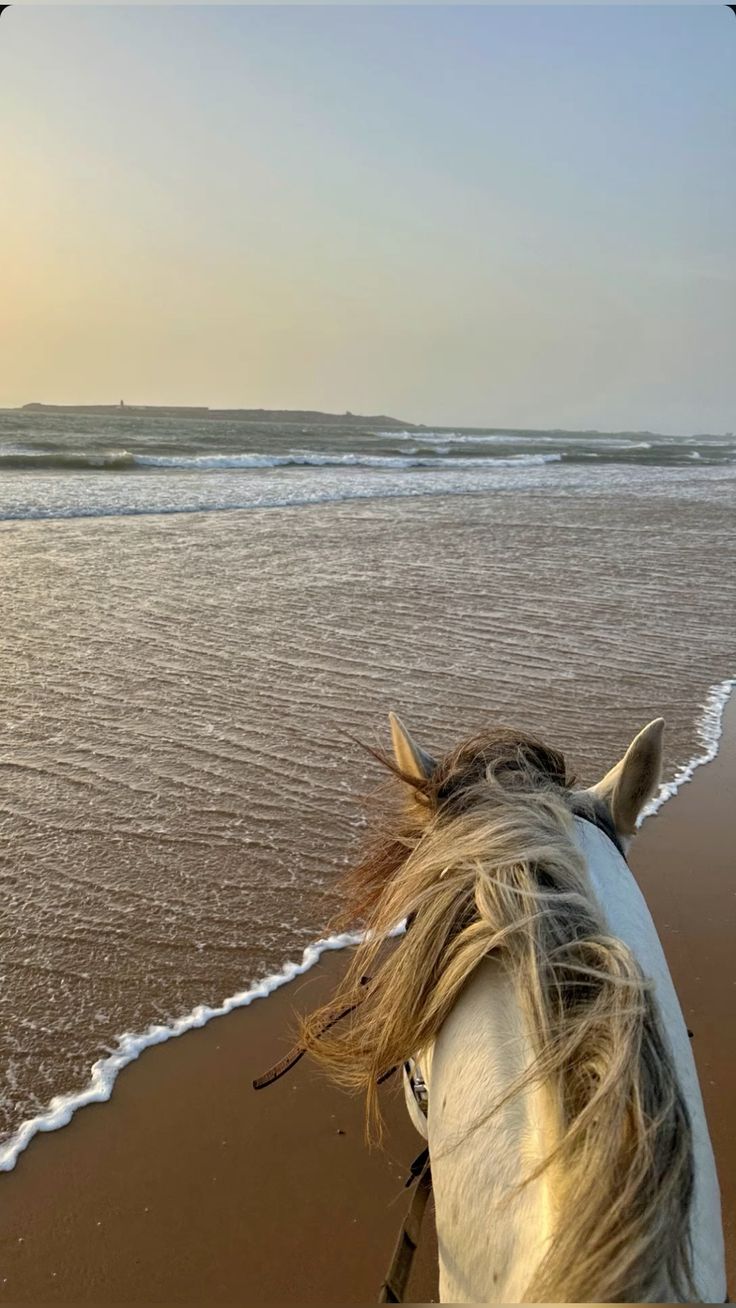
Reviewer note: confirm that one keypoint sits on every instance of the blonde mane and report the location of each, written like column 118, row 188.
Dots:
column 485, row 863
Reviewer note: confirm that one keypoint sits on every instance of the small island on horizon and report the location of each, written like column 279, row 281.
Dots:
column 242, row 415
column 374, row 424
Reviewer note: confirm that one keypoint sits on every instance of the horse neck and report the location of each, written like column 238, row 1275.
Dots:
column 627, row 916
column 492, row 1233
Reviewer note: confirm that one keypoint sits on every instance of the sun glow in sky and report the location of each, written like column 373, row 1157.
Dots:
column 506, row 216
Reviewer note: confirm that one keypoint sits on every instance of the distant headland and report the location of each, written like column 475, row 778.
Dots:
column 243, row 415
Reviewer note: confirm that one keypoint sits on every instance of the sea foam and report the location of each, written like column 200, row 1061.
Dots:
column 105, row 1071
column 709, row 729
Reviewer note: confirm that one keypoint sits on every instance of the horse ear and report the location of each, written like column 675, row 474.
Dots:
column 629, row 786
column 409, row 757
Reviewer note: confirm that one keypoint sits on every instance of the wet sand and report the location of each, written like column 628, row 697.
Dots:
column 189, row 1187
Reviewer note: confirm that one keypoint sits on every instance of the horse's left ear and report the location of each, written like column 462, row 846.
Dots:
column 629, row 786
column 409, row 757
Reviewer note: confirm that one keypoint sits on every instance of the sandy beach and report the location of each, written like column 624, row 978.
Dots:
column 190, row 1187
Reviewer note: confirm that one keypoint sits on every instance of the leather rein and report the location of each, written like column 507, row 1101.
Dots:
column 395, row 1281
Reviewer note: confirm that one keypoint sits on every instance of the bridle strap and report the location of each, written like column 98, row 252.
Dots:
column 603, row 824
column 297, row 1052
column 397, row 1276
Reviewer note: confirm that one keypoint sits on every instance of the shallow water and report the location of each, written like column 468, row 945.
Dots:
column 177, row 790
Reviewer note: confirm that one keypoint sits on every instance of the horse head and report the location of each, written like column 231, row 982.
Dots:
column 531, row 991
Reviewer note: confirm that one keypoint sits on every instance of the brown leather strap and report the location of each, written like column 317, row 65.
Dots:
column 417, row 1167
column 397, row 1276
column 279, row 1069
column 290, row 1060
column 394, row 1286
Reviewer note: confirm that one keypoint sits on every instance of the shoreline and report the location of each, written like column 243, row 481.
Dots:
column 192, row 1188
column 104, row 1072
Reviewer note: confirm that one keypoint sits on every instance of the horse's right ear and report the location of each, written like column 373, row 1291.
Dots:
column 409, row 757
column 628, row 787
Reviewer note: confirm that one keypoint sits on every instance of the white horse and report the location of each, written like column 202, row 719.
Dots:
column 569, row 1149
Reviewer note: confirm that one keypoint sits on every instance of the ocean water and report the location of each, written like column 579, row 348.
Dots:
column 178, row 786
column 71, row 465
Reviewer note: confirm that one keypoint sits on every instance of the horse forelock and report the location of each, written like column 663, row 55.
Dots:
column 515, row 759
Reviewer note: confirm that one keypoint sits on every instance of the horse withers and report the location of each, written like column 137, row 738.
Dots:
column 569, row 1149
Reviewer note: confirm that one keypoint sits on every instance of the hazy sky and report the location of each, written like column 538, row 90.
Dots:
column 511, row 216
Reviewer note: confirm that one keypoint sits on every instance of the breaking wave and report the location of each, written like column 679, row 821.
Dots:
column 126, row 461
